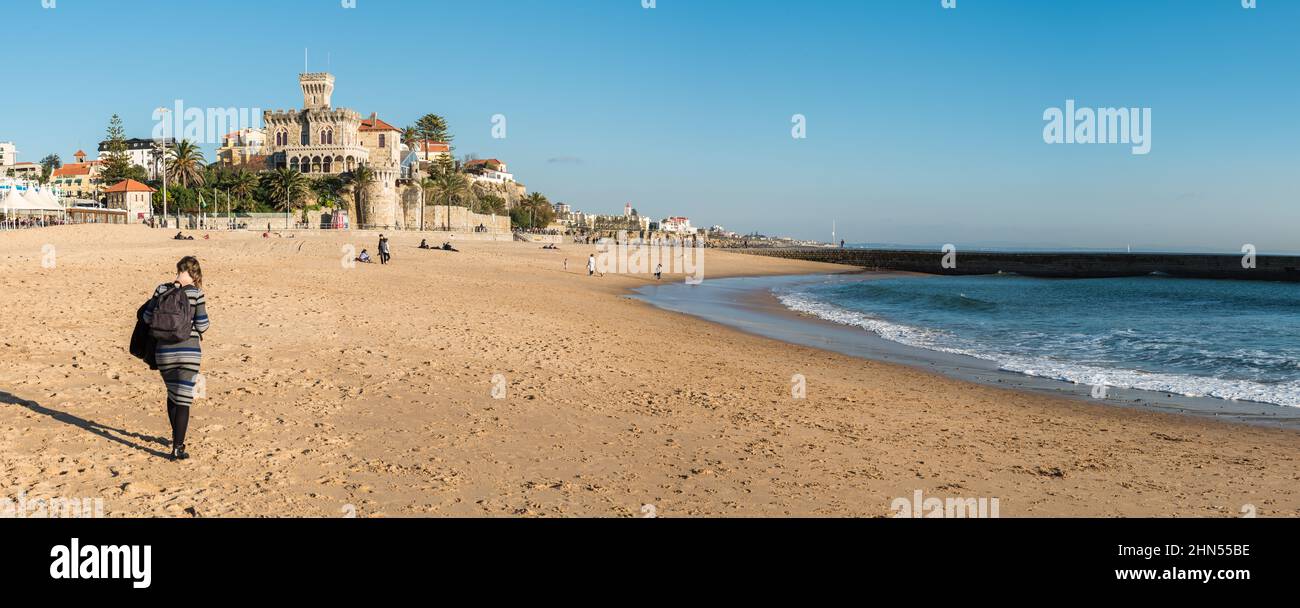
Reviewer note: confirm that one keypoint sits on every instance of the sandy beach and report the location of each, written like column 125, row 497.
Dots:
column 371, row 388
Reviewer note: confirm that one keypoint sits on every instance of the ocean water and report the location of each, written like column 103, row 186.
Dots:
column 1226, row 339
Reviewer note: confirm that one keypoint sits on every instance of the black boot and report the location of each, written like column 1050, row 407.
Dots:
column 179, row 453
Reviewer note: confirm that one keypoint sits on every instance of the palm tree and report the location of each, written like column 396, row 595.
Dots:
column 452, row 187
column 534, row 203
column 328, row 190
column 187, row 163
column 411, row 137
column 360, row 181
column 242, row 184
column 289, row 186
column 429, row 192
column 491, row 203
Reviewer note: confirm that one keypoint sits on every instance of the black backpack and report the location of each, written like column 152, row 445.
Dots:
column 173, row 317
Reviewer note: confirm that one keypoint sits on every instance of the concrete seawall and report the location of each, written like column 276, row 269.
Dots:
column 1058, row 265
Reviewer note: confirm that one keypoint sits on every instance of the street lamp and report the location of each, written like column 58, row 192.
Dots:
column 162, row 146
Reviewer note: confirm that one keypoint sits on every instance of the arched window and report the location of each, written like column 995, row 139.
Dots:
column 329, row 164
column 293, row 164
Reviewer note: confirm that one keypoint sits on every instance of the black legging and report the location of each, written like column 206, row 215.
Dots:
column 179, row 416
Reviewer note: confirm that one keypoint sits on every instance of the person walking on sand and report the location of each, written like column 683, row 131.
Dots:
column 178, row 310
column 659, row 271
column 384, row 254
column 591, row 264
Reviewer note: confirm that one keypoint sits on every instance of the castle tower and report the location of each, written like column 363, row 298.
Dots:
column 317, row 88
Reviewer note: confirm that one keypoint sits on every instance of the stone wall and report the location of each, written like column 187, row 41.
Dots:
column 461, row 220
column 1055, row 265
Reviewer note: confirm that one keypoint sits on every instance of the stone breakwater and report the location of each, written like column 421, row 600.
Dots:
column 1057, row 265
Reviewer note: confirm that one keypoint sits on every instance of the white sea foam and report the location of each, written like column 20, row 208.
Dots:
column 1285, row 393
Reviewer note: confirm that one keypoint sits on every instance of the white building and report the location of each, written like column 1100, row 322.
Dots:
column 8, row 154
column 242, row 146
column 489, row 170
column 143, row 153
column 677, row 224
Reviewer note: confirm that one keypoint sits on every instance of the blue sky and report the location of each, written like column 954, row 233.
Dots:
column 924, row 123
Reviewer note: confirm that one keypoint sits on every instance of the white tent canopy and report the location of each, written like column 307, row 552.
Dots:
column 15, row 201
column 31, row 200
column 42, row 200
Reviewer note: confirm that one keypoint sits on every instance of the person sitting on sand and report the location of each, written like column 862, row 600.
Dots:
column 447, row 247
column 424, row 244
column 364, row 258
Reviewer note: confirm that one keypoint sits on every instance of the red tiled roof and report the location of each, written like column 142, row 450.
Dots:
column 432, row 146
column 129, row 185
column 375, row 124
column 483, row 161
column 73, row 169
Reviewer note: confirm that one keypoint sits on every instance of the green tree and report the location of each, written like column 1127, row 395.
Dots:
column 48, row 165
column 359, row 182
column 287, row 188
column 242, row 185
column 116, row 161
column 539, row 209
column 186, row 163
column 432, row 127
column 491, row 203
column 411, row 137
column 328, row 190
column 452, row 188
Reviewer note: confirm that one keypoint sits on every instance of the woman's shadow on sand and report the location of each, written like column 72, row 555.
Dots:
column 107, row 432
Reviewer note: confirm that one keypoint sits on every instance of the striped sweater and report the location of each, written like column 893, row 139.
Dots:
column 186, row 354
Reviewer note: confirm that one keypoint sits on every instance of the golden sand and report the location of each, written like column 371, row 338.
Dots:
column 373, row 387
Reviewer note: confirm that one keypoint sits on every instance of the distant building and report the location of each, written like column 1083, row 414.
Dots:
column 429, row 150
column 23, row 170
column 321, row 140
column 562, row 210
column 676, row 224
column 79, row 179
column 133, row 197
column 489, row 170
column 8, row 154
column 144, row 153
column 242, row 147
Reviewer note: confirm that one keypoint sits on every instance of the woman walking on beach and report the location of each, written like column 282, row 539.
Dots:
column 178, row 360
